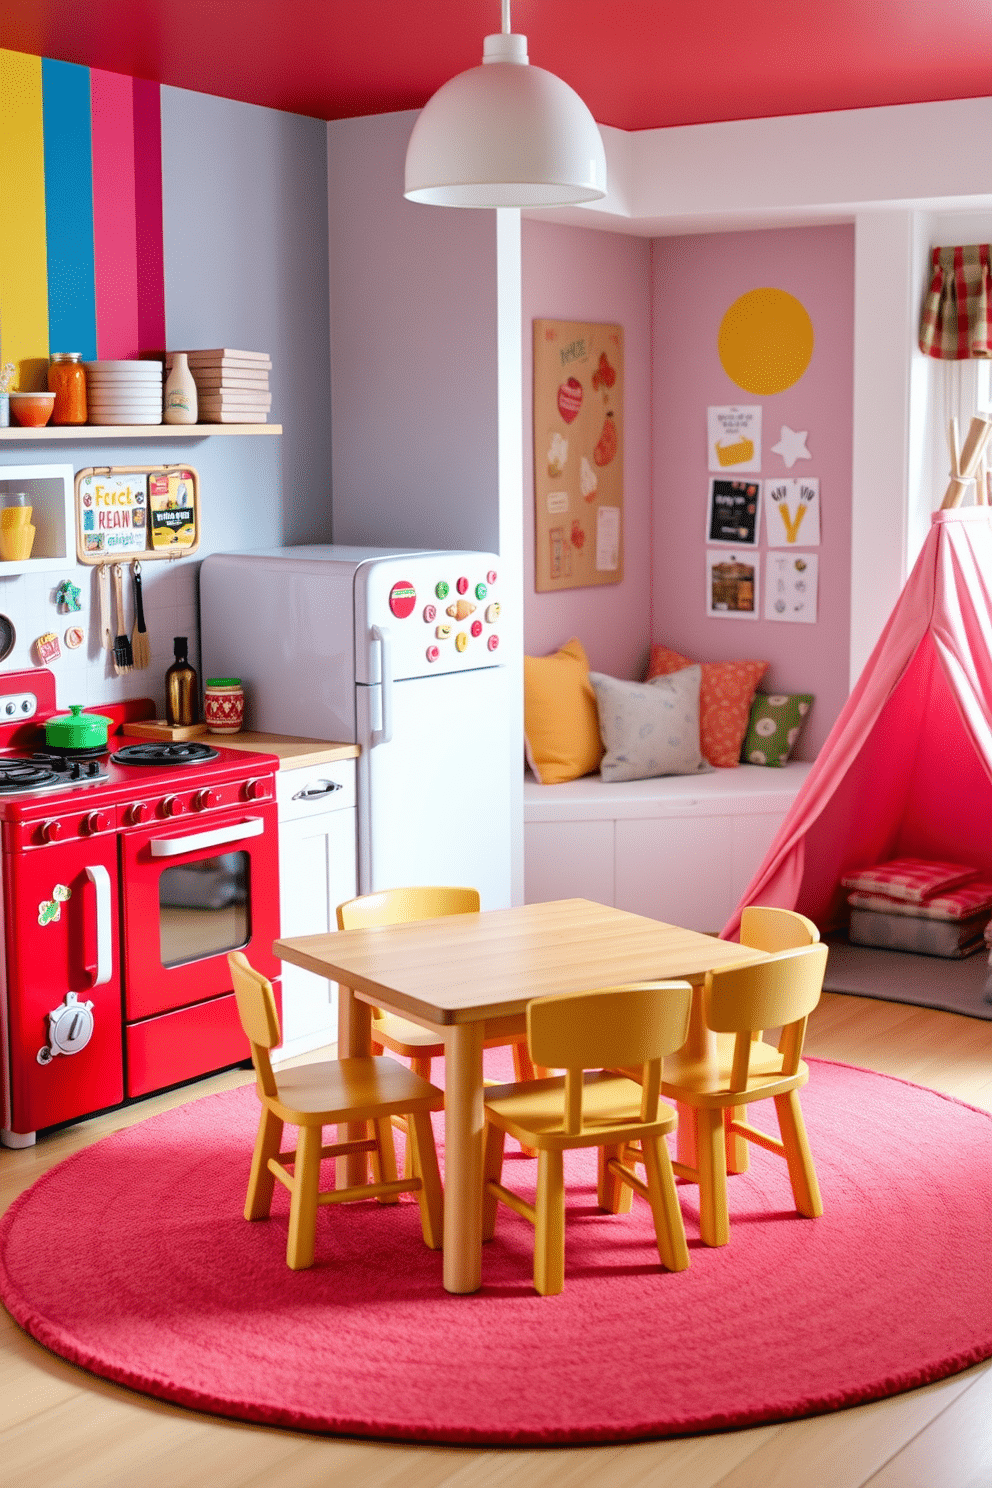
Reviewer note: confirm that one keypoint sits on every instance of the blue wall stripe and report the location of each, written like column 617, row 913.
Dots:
column 69, row 207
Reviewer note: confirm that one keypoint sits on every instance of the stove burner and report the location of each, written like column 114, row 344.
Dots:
column 25, row 775
column 168, row 753
column 70, row 751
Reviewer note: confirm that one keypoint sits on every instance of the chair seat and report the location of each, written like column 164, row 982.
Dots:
column 697, row 1087
column 351, row 1090
column 533, row 1112
column 406, row 1038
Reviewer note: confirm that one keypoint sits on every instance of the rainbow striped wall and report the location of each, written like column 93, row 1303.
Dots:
column 81, row 260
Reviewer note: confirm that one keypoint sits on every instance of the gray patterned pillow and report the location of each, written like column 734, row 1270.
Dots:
column 650, row 728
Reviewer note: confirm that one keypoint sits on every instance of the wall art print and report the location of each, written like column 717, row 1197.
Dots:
column 578, row 454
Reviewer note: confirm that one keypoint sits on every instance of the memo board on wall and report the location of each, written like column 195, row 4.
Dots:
column 578, row 454
column 137, row 511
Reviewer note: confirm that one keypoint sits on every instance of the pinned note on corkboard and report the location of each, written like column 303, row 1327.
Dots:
column 578, row 454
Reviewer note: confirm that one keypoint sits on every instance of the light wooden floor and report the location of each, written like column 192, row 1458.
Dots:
column 61, row 1428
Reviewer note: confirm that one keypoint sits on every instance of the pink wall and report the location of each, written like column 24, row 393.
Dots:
column 577, row 274
column 695, row 279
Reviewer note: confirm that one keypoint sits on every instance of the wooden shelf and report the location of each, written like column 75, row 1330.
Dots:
column 74, row 432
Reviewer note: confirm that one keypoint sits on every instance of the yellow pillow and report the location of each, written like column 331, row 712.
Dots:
column 561, row 723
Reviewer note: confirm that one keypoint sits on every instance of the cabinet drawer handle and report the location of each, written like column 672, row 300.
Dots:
column 314, row 792
column 173, row 847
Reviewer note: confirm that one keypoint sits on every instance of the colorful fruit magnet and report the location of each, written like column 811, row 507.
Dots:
column 402, row 598
column 570, row 399
column 461, row 641
column 74, row 637
column 461, row 610
column 607, row 446
column 492, row 613
column 430, row 614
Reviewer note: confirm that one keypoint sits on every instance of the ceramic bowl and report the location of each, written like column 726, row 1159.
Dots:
column 32, row 410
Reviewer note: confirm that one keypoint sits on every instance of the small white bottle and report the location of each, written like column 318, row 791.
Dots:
column 180, row 393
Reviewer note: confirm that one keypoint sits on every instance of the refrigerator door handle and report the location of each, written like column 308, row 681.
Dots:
column 381, row 636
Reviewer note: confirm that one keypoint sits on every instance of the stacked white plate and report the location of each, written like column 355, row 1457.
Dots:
column 124, row 392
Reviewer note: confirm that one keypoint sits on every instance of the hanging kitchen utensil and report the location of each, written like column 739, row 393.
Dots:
column 140, row 644
column 103, row 584
column 123, row 656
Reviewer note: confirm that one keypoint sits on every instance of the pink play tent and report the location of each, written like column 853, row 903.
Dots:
column 907, row 768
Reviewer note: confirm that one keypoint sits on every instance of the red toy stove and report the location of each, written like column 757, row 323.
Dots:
column 128, row 873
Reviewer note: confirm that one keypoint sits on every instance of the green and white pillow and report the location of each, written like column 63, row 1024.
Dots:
column 774, row 726
column 649, row 728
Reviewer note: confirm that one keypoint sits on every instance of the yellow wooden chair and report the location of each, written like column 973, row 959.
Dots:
column 591, row 1107
column 781, row 991
column 389, row 1031
column 312, row 1096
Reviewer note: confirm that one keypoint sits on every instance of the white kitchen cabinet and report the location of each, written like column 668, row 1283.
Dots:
column 317, row 872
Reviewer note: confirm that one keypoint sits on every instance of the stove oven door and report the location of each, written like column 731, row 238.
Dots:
column 63, row 1005
column 193, row 891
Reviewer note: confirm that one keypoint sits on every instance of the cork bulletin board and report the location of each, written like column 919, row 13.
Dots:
column 578, row 454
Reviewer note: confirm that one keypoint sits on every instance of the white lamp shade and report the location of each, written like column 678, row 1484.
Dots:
column 505, row 135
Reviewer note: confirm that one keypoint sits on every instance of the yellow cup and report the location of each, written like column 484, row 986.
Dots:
column 15, row 516
column 16, row 543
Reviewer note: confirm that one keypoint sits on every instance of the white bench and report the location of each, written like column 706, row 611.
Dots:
column 680, row 848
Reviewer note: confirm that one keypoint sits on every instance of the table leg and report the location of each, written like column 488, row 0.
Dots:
column 354, row 1040
column 464, row 1143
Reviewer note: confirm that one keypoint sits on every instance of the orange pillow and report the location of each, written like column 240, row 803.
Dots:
column 561, row 721
column 725, row 698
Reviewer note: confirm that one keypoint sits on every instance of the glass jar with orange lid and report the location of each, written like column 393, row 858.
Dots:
column 67, row 380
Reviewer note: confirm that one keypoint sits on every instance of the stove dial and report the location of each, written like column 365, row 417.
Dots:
column 135, row 813
column 51, row 831
column 204, row 799
column 255, row 790
column 97, row 821
column 172, row 806
column 70, row 1028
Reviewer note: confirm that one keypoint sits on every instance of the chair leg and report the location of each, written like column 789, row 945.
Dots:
column 668, row 1226
column 612, row 1194
column 523, row 1069
column 424, row 1162
column 738, row 1148
column 714, row 1221
column 303, row 1203
column 384, row 1158
column 802, row 1174
column 549, row 1236
column 262, row 1181
column 492, row 1172
column 421, row 1067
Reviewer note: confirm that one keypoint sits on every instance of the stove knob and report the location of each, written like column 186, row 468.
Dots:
column 205, row 799
column 51, row 831
column 255, row 790
column 172, row 806
column 135, row 813
column 97, row 821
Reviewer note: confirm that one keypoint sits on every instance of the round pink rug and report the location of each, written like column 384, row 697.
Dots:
column 132, row 1260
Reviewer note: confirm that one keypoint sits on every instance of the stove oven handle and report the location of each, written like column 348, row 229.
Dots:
column 100, row 879
column 174, row 847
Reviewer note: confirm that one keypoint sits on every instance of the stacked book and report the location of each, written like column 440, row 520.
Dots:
column 232, row 387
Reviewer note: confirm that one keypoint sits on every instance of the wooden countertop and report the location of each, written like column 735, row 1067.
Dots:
column 293, row 753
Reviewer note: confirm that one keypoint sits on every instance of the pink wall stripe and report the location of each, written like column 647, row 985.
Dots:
column 148, row 215
column 115, row 244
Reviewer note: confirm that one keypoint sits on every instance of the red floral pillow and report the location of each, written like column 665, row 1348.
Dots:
column 725, row 698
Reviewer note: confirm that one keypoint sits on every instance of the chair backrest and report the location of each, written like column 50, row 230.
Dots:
column 401, row 906
column 259, row 1016
column 783, row 990
column 613, row 1028
column 767, row 929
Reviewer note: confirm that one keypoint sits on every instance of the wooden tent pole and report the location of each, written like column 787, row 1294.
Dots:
column 967, row 463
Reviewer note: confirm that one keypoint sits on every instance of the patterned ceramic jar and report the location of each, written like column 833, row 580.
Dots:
column 223, row 705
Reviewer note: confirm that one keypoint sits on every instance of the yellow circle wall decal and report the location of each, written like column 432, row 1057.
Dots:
column 765, row 341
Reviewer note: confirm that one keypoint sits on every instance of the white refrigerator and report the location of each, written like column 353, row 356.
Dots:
column 398, row 652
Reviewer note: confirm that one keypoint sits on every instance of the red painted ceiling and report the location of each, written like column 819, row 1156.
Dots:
column 639, row 64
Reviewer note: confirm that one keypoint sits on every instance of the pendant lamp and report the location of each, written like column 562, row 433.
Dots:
column 505, row 135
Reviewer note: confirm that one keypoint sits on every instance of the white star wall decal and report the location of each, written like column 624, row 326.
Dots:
column 792, row 446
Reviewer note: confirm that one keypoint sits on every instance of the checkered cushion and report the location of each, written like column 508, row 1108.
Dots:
column 913, row 880
column 972, row 898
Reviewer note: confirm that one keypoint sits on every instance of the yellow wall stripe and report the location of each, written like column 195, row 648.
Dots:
column 23, row 261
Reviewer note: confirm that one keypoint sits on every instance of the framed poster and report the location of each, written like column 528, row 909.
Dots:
column 732, row 585
column 791, row 587
column 792, row 512
column 733, row 437
column 578, row 454
column 733, row 512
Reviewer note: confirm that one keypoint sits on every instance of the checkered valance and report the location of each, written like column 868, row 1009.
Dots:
column 957, row 313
